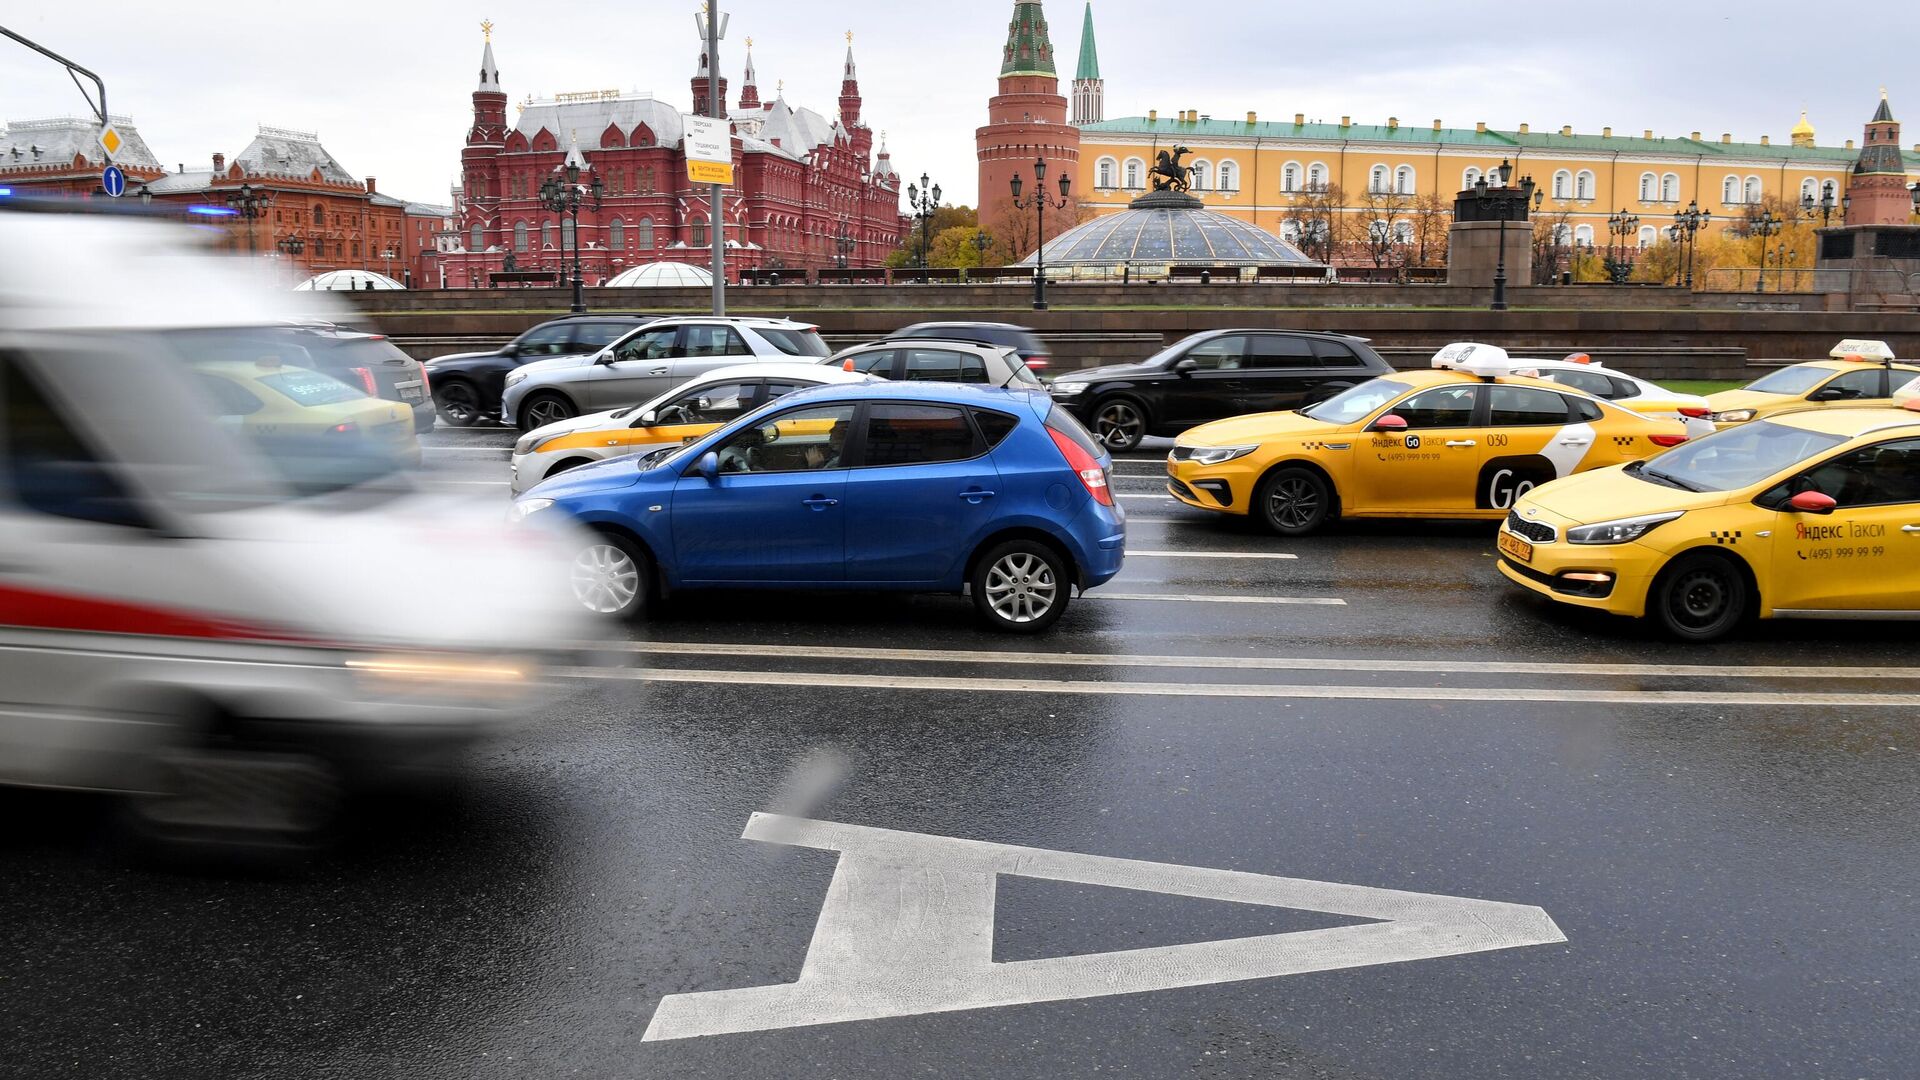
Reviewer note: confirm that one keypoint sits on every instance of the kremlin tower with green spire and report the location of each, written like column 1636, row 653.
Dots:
column 1026, row 120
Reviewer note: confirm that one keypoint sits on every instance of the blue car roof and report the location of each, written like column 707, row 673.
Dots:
column 937, row 392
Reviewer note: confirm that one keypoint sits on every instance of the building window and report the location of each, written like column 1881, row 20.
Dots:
column 1583, row 185
column 547, row 237
column 1754, row 190
column 1470, row 177
column 1730, row 190
column 1229, row 177
column 1403, row 180
column 475, row 242
column 1202, row 172
column 1104, row 174
column 1316, row 177
column 1649, row 185
column 520, row 237
column 1562, row 184
column 1670, row 188
column 1403, row 232
column 643, row 235
column 1583, row 235
column 699, row 234
column 1377, row 180
column 1809, row 190
column 617, row 235
column 1135, row 170
column 1827, row 190
column 1290, row 177
column 567, row 237
column 1649, row 236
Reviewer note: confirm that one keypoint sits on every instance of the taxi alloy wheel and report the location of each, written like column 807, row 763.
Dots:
column 1120, row 424
column 545, row 409
column 458, row 404
column 610, row 578
column 1294, row 502
column 1021, row 587
column 1701, row 598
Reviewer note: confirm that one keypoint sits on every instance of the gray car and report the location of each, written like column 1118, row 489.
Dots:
column 648, row 362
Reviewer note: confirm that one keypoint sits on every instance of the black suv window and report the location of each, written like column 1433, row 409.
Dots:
column 548, row 340
column 1272, row 351
column 1524, row 406
column 1441, row 407
column 917, row 435
column 594, row 336
column 1334, row 354
column 1220, row 354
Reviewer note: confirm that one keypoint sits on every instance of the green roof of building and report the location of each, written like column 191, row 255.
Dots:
column 1089, row 53
column 1028, row 50
column 1494, row 141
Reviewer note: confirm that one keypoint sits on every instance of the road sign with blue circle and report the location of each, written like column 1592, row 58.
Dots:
column 113, row 181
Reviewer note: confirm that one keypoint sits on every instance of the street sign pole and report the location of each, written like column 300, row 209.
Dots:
column 717, row 215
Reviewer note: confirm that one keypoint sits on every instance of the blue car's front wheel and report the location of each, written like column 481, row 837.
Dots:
column 1022, row 586
column 611, row 577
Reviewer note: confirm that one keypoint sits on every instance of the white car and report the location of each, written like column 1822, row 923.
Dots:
column 650, row 361
column 1634, row 394
column 226, row 632
column 931, row 360
column 676, row 417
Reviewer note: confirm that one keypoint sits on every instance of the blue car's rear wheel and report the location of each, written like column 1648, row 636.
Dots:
column 1022, row 586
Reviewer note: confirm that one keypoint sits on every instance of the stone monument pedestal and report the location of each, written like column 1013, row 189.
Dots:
column 1473, row 253
column 1873, row 266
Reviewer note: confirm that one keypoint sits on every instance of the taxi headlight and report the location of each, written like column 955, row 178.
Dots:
column 1067, row 389
column 533, row 443
column 526, row 508
column 1623, row 531
column 1737, row 416
column 1220, row 455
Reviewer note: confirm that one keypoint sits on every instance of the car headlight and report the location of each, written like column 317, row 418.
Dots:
column 526, row 508
column 1623, row 531
column 1219, row 455
column 515, row 378
column 1737, row 416
column 1067, row 389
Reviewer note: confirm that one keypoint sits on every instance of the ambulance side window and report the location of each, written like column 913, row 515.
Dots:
column 1884, row 475
column 48, row 468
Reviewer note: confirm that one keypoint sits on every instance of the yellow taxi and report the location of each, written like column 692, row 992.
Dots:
column 275, row 402
column 679, row 416
column 1462, row 440
column 1810, row 514
column 1860, row 372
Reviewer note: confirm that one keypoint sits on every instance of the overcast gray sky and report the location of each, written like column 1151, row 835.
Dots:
column 386, row 84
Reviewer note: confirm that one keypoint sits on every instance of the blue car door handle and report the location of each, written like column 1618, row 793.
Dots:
column 977, row 496
column 819, row 503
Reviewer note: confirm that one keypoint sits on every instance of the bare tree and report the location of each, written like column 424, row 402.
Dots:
column 1432, row 216
column 1313, row 222
column 1381, row 215
column 1552, row 239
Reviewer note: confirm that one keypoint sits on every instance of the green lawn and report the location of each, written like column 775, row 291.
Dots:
column 1702, row 387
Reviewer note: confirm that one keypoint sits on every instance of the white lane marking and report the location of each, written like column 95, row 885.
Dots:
column 1241, row 690
column 1280, row 601
column 906, row 929
column 1249, row 663
column 1269, row 555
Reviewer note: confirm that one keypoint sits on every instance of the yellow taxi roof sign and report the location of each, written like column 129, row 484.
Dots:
column 1878, row 352
column 1473, row 358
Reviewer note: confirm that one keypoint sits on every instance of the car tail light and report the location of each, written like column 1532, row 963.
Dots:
column 1695, row 411
column 367, row 382
column 1666, row 440
column 1038, row 363
column 426, row 381
column 347, row 428
column 1083, row 464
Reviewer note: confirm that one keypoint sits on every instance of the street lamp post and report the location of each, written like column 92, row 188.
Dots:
column 1915, row 189
column 1620, row 230
column 251, row 206
column 981, row 242
column 1765, row 225
column 1040, row 201
column 923, row 201
column 1527, row 193
column 565, row 196
column 843, row 243
column 1826, row 206
column 1686, row 232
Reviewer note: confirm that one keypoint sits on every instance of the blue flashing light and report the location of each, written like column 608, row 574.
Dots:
column 6, row 193
column 212, row 211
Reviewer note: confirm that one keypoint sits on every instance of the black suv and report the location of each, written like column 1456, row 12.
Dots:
column 467, row 386
column 1018, row 338
column 1212, row 376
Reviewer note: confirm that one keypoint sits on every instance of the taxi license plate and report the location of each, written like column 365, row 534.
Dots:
column 1516, row 547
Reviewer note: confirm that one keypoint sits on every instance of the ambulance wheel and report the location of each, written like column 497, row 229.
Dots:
column 1701, row 597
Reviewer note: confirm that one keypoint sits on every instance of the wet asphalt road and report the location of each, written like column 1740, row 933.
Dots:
column 1733, row 860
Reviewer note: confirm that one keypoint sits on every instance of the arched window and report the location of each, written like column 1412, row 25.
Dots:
column 1104, row 174
column 1202, row 172
column 1229, row 176
column 1562, row 235
column 1470, row 177
column 1377, row 179
column 1316, row 177
column 1290, row 231
column 1403, row 232
column 1809, row 190
column 1134, row 171
column 1649, row 236
column 1670, row 188
column 520, row 237
column 1290, row 177
column 1583, row 184
column 1730, row 190
column 699, row 238
column 1826, row 190
column 617, row 235
column 476, row 240
column 1649, row 187
column 567, row 239
column 643, row 234
column 1562, row 184
column 1754, row 190
column 1583, row 234
column 547, row 237
column 1403, row 180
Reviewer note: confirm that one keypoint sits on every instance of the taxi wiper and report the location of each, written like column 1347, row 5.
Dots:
column 1659, row 477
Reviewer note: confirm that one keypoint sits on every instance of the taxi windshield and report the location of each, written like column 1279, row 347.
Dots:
column 1352, row 406
column 1736, row 458
column 1793, row 380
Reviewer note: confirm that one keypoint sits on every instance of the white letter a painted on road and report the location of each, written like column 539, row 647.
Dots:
column 907, row 929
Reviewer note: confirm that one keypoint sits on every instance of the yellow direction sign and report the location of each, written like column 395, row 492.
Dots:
column 709, row 147
column 110, row 141
column 709, row 172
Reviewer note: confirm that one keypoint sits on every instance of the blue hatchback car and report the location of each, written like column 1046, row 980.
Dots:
column 909, row 487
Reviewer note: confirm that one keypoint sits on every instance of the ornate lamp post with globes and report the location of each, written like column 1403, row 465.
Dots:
column 566, row 197
column 923, row 200
column 251, row 206
column 1040, row 201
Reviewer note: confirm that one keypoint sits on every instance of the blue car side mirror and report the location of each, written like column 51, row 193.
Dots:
column 710, row 467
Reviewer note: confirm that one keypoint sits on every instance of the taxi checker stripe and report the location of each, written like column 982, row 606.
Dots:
column 1480, row 695
column 35, row 609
